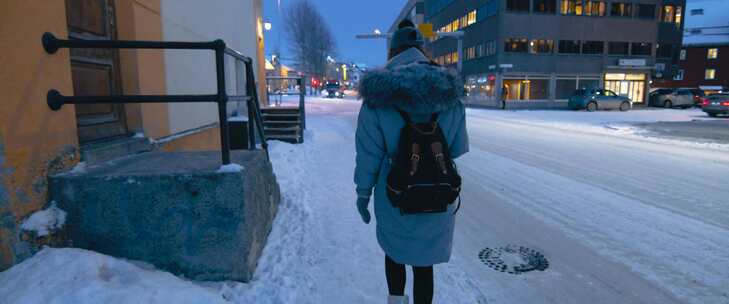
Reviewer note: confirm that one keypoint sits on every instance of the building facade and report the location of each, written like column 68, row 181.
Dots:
column 36, row 142
column 703, row 62
column 537, row 52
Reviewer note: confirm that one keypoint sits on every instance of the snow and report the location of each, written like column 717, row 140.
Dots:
column 79, row 276
column 620, row 217
column 79, row 168
column 45, row 221
column 230, row 168
column 138, row 135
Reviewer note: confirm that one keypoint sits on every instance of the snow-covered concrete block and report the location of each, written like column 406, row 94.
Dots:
column 179, row 211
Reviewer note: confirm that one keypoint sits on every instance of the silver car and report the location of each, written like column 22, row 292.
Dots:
column 667, row 98
column 598, row 99
column 716, row 104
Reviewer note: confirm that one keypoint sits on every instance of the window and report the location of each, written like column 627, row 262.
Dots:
column 569, row 7
column 712, row 53
column 565, row 88
column 491, row 48
column 672, row 14
column 593, row 47
column 618, row 48
column 594, row 8
column 517, row 45
column 538, row 89
column 642, row 48
column 710, row 74
column 541, row 46
column 621, row 9
column 589, row 83
column 664, row 51
column 454, row 57
column 545, row 6
column 471, row 17
column 682, row 55
column 479, row 50
column 679, row 75
column 517, row 5
column 646, row 11
column 695, row 12
column 569, row 47
column 471, row 53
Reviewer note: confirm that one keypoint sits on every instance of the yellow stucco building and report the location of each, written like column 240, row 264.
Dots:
column 36, row 142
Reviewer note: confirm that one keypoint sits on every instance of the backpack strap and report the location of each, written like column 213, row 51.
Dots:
column 434, row 117
column 405, row 116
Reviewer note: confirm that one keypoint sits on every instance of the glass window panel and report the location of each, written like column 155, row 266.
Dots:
column 621, row 9
column 646, row 11
column 565, row 88
column 545, row 6
column 593, row 47
column 665, row 51
column 538, row 89
column 589, row 83
column 642, row 48
column 618, row 48
column 712, row 53
column 569, row 47
column 710, row 74
column 518, row 45
column 668, row 13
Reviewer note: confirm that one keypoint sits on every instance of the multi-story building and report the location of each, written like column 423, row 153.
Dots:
column 537, row 52
column 704, row 59
column 36, row 142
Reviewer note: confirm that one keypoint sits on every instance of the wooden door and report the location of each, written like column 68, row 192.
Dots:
column 95, row 71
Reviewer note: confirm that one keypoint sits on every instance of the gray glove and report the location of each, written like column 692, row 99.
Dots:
column 362, row 203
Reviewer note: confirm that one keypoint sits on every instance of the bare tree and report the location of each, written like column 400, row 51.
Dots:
column 310, row 39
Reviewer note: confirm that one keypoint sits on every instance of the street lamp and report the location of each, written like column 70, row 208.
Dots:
column 267, row 26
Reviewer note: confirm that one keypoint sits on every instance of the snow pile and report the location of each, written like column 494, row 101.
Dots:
column 70, row 275
column 44, row 221
column 230, row 168
column 79, row 168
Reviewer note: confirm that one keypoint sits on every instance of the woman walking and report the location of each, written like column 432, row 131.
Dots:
column 410, row 91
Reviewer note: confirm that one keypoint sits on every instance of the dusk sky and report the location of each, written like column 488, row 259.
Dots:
column 346, row 18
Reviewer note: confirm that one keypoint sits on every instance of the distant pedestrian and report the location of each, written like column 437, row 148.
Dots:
column 504, row 96
column 410, row 126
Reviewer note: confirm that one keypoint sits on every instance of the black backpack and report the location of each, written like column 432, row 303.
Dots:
column 423, row 177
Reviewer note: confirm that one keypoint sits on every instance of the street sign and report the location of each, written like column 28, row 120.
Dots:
column 427, row 30
column 631, row 62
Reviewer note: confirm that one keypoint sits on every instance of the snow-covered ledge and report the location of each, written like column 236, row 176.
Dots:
column 181, row 212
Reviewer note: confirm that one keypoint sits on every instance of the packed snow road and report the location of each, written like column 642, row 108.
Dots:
column 621, row 218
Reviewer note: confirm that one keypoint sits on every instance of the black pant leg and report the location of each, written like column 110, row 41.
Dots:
column 423, row 285
column 395, row 274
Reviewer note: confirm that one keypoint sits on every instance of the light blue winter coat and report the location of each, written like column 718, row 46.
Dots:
column 419, row 88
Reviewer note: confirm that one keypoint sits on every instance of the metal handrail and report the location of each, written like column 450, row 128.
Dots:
column 56, row 100
column 302, row 93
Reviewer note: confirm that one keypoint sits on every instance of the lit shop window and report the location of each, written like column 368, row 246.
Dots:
column 713, row 53
column 541, row 46
column 516, row 45
column 672, row 14
column 471, row 17
column 710, row 74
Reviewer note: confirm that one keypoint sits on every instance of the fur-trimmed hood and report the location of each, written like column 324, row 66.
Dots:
column 412, row 83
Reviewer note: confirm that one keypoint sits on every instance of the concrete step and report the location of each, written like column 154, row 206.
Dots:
column 102, row 151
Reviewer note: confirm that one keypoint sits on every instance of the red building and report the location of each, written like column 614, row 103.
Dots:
column 704, row 59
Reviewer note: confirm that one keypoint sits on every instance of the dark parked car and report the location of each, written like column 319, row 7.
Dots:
column 717, row 104
column 334, row 90
column 598, row 99
column 671, row 98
